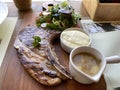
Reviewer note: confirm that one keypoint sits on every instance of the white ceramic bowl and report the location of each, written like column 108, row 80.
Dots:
column 78, row 74
column 68, row 48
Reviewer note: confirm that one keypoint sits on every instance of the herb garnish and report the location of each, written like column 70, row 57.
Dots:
column 36, row 41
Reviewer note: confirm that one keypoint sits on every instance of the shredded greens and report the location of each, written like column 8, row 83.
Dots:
column 60, row 17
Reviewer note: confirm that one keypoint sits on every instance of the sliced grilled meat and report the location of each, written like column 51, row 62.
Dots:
column 41, row 62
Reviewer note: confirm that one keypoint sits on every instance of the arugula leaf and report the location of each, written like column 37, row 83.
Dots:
column 36, row 41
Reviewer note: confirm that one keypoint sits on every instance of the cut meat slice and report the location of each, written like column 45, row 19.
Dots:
column 39, row 61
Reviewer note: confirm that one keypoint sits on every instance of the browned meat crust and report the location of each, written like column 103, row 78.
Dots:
column 42, row 62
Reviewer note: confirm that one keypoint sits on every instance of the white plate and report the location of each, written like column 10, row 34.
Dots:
column 3, row 11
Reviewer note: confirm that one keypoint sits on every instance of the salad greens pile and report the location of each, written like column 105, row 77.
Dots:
column 59, row 17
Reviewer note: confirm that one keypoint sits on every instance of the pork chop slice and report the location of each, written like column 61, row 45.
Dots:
column 37, row 61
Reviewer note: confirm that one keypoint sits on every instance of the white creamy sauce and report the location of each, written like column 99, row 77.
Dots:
column 75, row 38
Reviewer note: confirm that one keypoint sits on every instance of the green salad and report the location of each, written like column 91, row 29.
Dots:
column 59, row 17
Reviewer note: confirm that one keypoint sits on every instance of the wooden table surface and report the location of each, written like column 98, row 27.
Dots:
column 12, row 74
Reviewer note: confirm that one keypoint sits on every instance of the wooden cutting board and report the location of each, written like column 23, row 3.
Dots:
column 16, row 78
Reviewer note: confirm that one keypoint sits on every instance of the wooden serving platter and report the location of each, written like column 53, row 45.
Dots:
column 64, row 60
column 13, row 75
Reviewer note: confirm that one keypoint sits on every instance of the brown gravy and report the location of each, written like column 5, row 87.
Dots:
column 87, row 63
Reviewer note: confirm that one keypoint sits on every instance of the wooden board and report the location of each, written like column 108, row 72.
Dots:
column 14, row 77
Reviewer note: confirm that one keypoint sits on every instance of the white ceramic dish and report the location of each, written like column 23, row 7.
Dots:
column 82, row 77
column 46, row 4
column 68, row 48
column 3, row 11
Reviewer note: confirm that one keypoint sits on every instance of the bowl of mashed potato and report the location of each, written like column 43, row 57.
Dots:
column 74, row 37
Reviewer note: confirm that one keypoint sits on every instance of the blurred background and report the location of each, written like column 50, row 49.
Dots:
column 39, row 0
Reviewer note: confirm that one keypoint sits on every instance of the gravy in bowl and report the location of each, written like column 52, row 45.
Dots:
column 87, row 63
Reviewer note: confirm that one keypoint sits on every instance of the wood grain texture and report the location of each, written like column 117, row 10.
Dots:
column 102, row 11
column 12, row 74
